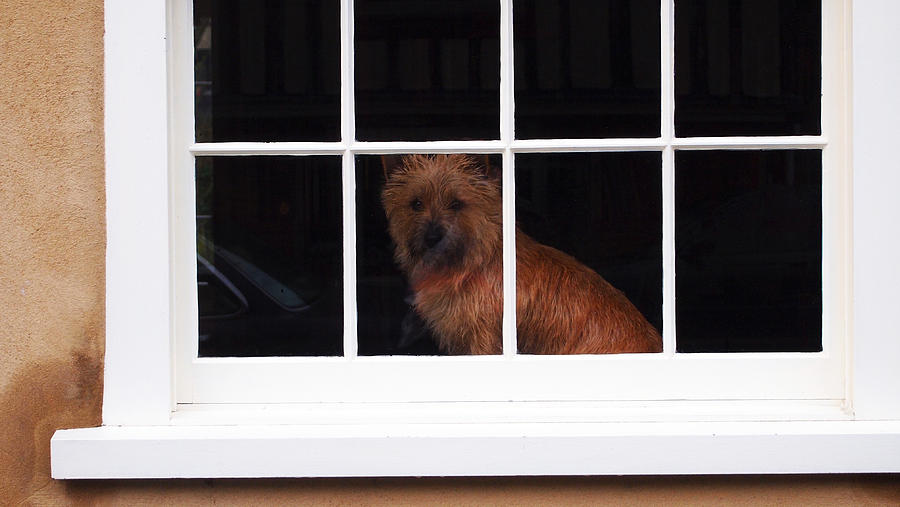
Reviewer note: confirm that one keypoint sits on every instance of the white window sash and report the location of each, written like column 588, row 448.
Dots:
column 800, row 376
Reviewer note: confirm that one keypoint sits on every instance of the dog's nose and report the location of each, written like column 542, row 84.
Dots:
column 433, row 235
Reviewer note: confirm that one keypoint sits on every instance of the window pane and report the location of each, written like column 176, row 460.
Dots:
column 747, row 67
column 605, row 210
column 587, row 68
column 267, row 71
column 748, row 232
column 269, row 256
column 427, row 69
column 445, row 229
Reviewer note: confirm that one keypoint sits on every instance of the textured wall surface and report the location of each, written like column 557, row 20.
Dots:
column 51, row 231
column 51, row 313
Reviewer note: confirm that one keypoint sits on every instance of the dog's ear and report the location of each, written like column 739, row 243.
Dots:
column 390, row 163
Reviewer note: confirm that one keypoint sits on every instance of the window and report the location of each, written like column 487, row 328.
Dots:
column 618, row 132
column 219, row 434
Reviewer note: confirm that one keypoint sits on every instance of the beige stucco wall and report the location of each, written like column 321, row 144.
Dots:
column 51, row 312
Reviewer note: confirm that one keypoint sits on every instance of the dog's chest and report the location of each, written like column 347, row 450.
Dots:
column 465, row 312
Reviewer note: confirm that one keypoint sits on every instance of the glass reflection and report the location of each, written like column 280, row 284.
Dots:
column 269, row 256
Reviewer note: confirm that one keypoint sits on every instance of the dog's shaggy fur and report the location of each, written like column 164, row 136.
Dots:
column 444, row 216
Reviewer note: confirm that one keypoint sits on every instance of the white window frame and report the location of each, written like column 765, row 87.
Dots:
column 145, row 433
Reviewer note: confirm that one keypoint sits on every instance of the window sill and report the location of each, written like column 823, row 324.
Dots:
column 483, row 449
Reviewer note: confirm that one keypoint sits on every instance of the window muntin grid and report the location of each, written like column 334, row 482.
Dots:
column 507, row 146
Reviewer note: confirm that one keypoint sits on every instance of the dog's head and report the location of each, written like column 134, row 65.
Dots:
column 443, row 211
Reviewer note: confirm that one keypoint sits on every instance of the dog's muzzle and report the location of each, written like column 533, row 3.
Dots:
column 433, row 235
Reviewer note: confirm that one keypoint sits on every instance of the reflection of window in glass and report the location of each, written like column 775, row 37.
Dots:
column 583, row 118
column 268, row 253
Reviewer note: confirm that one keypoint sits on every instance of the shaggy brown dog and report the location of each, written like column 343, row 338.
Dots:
column 444, row 216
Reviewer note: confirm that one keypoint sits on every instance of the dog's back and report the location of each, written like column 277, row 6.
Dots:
column 564, row 307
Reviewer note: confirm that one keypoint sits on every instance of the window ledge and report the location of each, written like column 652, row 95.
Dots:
column 317, row 450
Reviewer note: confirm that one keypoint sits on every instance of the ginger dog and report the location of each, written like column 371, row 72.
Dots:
column 444, row 217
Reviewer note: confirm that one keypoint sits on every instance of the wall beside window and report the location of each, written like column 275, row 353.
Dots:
column 52, row 234
column 52, row 223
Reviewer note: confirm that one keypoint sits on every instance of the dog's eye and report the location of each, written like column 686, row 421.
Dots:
column 417, row 205
column 456, row 205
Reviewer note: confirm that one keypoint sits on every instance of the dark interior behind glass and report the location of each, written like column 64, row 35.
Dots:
column 748, row 224
column 604, row 209
column 587, row 68
column 427, row 69
column 748, row 67
column 267, row 70
column 748, row 251
column 269, row 256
